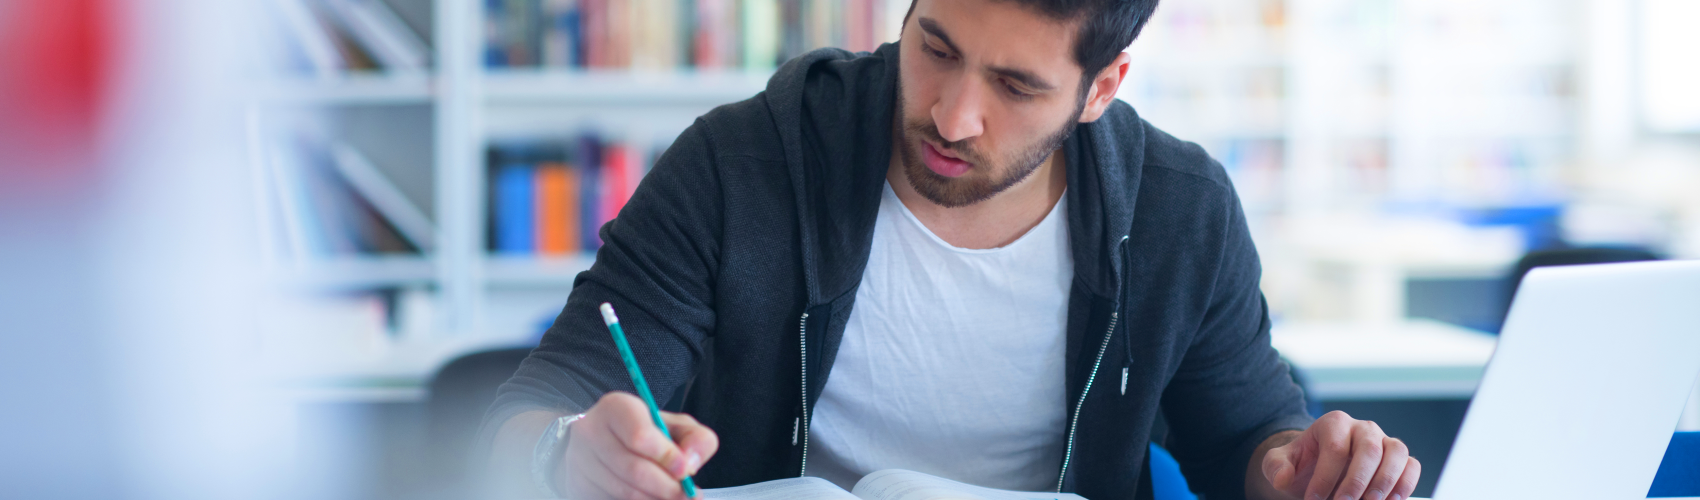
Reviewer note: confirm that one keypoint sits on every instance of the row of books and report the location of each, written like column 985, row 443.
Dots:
column 551, row 197
column 669, row 34
column 325, row 199
column 328, row 38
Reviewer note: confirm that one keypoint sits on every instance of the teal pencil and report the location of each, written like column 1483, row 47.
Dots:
column 613, row 323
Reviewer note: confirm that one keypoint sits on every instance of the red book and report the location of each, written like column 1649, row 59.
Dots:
column 594, row 19
column 619, row 179
column 712, row 38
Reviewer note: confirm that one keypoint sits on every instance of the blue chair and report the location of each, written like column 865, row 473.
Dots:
column 1679, row 473
column 1167, row 483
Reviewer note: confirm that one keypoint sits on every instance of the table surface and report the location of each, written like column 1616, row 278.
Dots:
column 1415, row 359
column 1418, row 359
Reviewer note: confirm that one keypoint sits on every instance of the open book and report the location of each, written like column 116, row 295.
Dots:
column 889, row 484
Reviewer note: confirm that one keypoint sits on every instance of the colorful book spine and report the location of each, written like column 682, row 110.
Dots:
column 515, row 209
column 562, row 38
column 557, row 209
column 761, row 30
column 551, row 198
column 495, row 34
column 589, row 154
column 655, row 35
column 594, row 15
column 666, row 34
column 617, row 181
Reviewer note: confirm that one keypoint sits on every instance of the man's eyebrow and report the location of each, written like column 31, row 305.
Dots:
column 932, row 28
column 1025, row 77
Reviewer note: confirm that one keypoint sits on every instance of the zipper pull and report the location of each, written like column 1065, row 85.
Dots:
column 795, row 423
column 1124, row 381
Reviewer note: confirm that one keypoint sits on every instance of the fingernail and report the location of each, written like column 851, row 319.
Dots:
column 1318, row 496
column 1373, row 495
column 1397, row 497
column 1345, row 497
column 692, row 462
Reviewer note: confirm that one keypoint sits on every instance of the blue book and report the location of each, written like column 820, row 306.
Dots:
column 495, row 41
column 516, row 210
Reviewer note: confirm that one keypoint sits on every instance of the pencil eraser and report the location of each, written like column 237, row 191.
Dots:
column 608, row 314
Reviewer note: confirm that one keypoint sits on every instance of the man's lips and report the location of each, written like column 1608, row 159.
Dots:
column 941, row 164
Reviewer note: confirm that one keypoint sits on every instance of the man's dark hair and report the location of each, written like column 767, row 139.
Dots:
column 1106, row 27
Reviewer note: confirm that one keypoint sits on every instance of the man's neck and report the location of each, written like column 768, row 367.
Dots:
column 995, row 222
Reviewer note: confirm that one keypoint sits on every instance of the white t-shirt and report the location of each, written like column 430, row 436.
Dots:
column 952, row 361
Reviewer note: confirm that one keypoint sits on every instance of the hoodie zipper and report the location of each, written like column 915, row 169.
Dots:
column 800, row 427
column 1074, row 421
column 1068, row 454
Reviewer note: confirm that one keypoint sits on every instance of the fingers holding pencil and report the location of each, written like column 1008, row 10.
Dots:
column 617, row 452
column 679, row 464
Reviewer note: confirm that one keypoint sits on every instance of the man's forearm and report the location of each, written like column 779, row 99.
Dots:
column 1257, row 487
column 509, row 472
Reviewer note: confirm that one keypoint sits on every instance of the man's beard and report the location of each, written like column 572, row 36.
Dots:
column 975, row 187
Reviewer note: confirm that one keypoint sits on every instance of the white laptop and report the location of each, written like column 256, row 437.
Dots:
column 1580, row 399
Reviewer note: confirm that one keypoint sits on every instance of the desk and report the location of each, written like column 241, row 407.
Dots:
column 1414, row 359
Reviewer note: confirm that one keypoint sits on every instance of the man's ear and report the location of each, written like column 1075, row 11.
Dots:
column 1103, row 88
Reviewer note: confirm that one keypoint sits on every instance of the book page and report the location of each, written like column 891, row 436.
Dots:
column 895, row 484
column 797, row 488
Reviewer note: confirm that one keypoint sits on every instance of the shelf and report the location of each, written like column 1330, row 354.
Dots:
column 351, row 89
column 535, row 271
column 565, row 87
column 399, row 374
column 359, row 272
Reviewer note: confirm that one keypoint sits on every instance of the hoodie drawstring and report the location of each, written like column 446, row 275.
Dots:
column 1127, row 335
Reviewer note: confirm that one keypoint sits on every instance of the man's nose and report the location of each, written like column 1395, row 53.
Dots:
column 959, row 113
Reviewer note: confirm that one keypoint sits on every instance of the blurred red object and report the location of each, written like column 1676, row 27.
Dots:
column 56, row 74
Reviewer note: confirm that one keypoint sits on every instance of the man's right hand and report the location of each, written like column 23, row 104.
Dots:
column 616, row 452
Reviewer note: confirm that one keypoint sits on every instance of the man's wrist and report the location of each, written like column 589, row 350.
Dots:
column 546, row 456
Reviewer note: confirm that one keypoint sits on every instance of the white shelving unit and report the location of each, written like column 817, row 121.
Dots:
column 1314, row 105
column 352, row 90
column 1370, row 102
column 481, row 299
column 357, row 273
column 626, row 89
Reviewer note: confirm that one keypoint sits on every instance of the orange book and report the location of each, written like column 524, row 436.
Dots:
column 557, row 209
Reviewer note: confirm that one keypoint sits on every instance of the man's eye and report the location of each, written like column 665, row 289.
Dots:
column 1015, row 91
column 933, row 52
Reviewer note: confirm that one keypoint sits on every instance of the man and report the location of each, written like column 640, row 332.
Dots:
column 959, row 255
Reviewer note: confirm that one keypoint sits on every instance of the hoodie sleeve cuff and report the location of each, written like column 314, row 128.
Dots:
column 1243, row 456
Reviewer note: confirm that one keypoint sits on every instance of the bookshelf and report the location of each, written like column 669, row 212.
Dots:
column 1326, row 105
column 1314, row 106
column 437, row 128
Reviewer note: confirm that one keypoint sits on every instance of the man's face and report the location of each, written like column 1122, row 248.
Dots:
column 988, row 90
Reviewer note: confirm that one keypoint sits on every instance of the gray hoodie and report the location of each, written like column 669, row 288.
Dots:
column 735, row 265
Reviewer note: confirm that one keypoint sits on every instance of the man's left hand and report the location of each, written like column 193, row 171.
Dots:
column 1341, row 458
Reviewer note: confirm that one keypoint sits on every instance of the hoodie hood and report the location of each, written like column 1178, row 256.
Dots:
column 818, row 100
